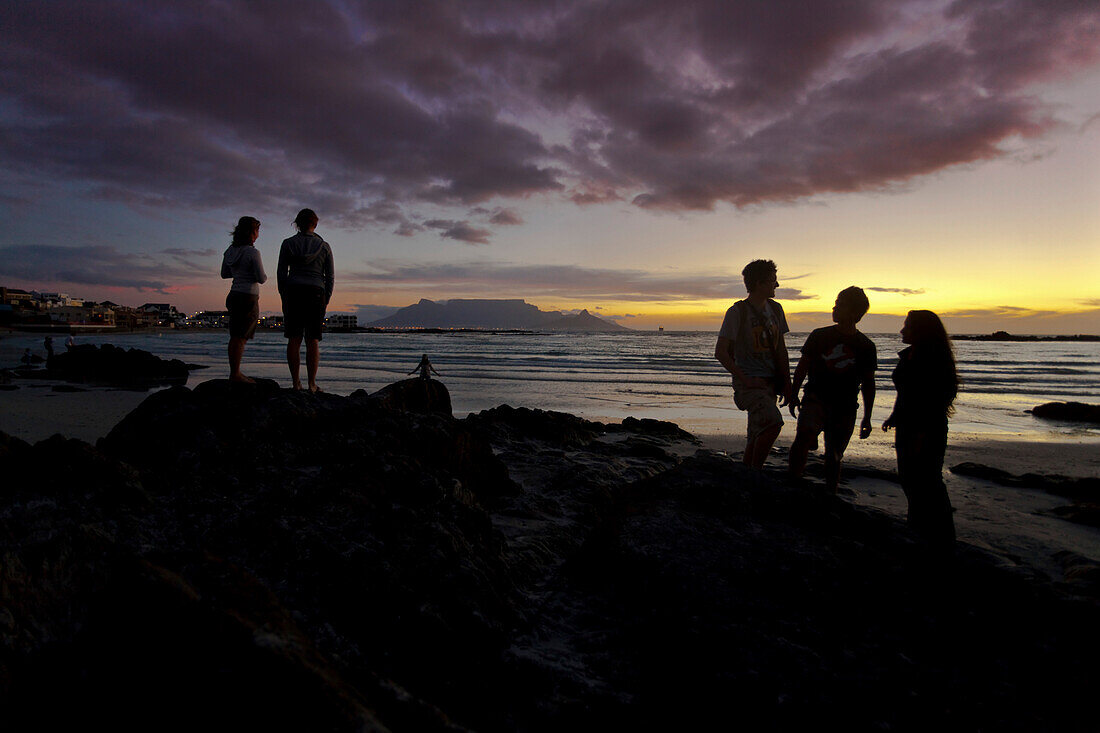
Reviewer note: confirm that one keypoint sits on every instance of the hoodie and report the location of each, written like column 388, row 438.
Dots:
column 244, row 266
column 305, row 259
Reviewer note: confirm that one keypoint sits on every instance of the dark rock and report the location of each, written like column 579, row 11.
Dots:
column 66, row 388
column 1087, row 513
column 8, row 387
column 1075, row 488
column 112, row 366
column 657, row 428
column 428, row 396
column 1071, row 411
column 266, row 558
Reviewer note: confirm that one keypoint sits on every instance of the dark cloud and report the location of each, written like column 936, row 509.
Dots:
column 459, row 230
column 1091, row 302
column 552, row 281
column 674, row 106
column 190, row 254
column 1000, row 311
column 105, row 266
column 506, row 217
column 902, row 291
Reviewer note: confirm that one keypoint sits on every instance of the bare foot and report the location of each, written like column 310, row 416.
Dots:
column 315, row 389
column 296, row 385
column 241, row 378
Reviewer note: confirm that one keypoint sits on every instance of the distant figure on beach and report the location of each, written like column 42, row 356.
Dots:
column 840, row 361
column 47, row 343
column 28, row 357
column 306, row 279
column 70, row 342
column 750, row 346
column 927, row 383
column 424, row 367
column 241, row 262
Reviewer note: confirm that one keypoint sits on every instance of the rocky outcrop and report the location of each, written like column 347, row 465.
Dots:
column 111, row 366
column 271, row 559
column 1084, row 492
column 1070, row 411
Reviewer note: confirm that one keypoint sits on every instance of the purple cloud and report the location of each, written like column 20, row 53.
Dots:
column 552, row 281
column 901, row 291
column 460, row 231
column 506, row 217
column 105, row 266
column 674, row 106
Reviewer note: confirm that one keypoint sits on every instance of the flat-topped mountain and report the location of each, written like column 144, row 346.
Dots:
column 479, row 313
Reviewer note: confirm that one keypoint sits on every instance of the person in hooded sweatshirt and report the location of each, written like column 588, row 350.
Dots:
column 242, row 263
column 305, row 277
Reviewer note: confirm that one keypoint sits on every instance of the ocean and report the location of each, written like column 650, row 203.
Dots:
column 668, row 376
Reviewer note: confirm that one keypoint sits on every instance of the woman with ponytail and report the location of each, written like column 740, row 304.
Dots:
column 242, row 263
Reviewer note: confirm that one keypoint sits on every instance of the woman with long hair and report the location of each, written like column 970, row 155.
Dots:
column 242, row 263
column 927, row 384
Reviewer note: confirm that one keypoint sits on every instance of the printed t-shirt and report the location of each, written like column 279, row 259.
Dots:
column 838, row 363
column 753, row 344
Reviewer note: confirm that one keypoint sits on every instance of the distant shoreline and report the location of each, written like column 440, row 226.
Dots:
column 1002, row 336
column 79, row 329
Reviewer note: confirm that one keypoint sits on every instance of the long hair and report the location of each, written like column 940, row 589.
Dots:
column 933, row 346
column 242, row 233
column 305, row 220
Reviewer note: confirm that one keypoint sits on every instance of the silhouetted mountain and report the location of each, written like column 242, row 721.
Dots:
column 462, row 313
column 583, row 321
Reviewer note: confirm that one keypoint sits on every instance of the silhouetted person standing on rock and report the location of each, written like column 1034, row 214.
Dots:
column 927, row 383
column 424, row 367
column 306, row 279
column 750, row 346
column 242, row 262
column 840, row 361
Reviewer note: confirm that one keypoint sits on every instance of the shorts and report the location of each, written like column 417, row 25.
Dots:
column 759, row 402
column 244, row 312
column 303, row 312
column 835, row 421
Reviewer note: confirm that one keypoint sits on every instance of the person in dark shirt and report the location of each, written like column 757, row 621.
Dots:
column 840, row 362
column 927, row 383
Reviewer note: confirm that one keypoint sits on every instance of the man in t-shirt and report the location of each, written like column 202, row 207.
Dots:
column 750, row 346
column 840, row 362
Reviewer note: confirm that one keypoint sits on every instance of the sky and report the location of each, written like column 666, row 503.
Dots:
column 624, row 156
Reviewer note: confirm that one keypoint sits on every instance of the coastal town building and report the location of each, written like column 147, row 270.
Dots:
column 342, row 320
column 167, row 315
column 92, row 314
column 209, row 319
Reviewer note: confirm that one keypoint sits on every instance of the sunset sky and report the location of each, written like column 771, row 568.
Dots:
column 628, row 157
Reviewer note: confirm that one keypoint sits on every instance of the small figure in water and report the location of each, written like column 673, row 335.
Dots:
column 48, row 344
column 424, row 367
column 70, row 342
